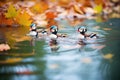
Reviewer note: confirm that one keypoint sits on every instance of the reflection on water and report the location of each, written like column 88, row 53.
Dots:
column 64, row 59
column 74, row 64
column 54, row 45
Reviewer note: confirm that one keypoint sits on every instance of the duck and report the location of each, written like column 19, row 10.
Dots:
column 54, row 31
column 83, row 36
column 33, row 30
column 82, row 30
column 53, row 38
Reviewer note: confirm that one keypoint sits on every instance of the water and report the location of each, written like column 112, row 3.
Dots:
column 67, row 60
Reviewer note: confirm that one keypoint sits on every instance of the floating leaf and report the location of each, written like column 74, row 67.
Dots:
column 24, row 19
column 11, row 12
column 107, row 29
column 108, row 56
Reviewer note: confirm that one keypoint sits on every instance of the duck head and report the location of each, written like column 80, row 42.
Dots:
column 33, row 26
column 54, row 29
column 82, row 30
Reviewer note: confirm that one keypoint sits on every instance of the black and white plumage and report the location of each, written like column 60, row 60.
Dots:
column 53, row 30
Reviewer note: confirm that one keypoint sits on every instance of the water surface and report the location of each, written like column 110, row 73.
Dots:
column 67, row 61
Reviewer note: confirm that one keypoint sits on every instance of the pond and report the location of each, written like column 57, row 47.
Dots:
column 66, row 60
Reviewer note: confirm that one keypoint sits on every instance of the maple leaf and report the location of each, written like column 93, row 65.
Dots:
column 98, row 8
column 24, row 19
column 11, row 12
column 38, row 7
column 50, row 15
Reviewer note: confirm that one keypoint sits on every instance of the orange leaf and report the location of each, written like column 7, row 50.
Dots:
column 99, row 2
column 38, row 7
column 5, row 21
column 50, row 15
column 9, row 21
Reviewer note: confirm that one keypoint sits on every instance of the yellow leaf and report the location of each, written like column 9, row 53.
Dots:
column 24, row 19
column 11, row 12
column 98, row 8
column 108, row 56
column 39, row 7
